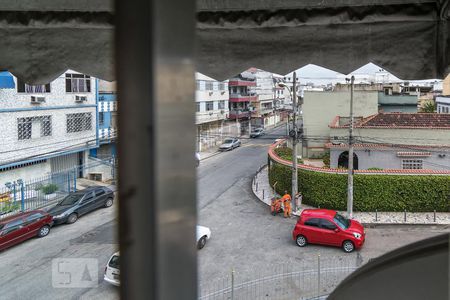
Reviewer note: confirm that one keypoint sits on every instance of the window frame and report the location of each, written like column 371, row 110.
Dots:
column 209, row 103
column 70, row 77
column 310, row 219
column 85, row 119
column 322, row 225
column 22, row 88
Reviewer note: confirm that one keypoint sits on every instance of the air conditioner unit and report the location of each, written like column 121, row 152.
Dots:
column 210, row 93
column 37, row 99
column 80, row 98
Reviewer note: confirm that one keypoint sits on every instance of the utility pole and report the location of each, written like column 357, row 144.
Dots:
column 294, row 143
column 350, row 156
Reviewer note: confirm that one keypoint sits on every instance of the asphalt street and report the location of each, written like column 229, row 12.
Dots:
column 26, row 269
column 245, row 237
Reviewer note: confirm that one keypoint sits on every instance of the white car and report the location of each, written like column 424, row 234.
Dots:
column 203, row 234
column 230, row 144
column 112, row 271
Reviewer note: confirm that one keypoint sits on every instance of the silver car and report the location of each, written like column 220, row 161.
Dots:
column 257, row 132
column 230, row 144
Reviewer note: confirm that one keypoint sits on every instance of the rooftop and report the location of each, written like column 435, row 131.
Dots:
column 399, row 120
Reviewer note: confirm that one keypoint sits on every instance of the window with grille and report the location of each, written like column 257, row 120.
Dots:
column 209, row 105
column 78, row 83
column 209, row 86
column 22, row 87
column 412, row 164
column 221, row 86
column 34, row 127
column 101, row 118
column 79, row 122
column 222, row 104
column 197, row 85
column 197, row 108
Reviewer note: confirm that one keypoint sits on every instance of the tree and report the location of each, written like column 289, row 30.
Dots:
column 428, row 107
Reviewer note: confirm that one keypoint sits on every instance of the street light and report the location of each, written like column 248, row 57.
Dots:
column 295, row 133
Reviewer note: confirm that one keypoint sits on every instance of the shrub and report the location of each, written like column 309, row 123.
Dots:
column 375, row 169
column 286, row 153
column 49, row 188
column 371, row 192
column 9, row 206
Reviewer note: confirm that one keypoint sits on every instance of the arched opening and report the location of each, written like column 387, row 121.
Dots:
column 343, row 160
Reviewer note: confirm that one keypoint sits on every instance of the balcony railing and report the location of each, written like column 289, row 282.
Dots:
column 237, row 82
column 243, row 97
column 239, row 114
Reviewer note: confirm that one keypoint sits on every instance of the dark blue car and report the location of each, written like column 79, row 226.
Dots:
column 76, row 204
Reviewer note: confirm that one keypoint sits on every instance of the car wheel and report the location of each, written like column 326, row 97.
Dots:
column 348, row 246
column 45, row 230
column 301, row 241
column 202, row 242
column 73, row 217
column 109, row 202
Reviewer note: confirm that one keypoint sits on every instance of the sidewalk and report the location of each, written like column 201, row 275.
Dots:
column 262, row 189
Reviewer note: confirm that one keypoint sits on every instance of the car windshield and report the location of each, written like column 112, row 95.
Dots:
column 342, row 221
column 114, row 262
column 228, row 141
column 71, row 199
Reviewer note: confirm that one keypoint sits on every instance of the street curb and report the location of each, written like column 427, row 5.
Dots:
column 374, row 225
column 368, row 224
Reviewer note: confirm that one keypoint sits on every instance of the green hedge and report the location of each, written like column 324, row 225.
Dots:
column 381, row 192
column 286, row 154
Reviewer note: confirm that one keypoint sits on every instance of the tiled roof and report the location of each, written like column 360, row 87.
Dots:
column 385, row 146
column 275, row 157
column 401, row 120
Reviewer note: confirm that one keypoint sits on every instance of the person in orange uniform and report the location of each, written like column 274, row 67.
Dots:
column 287, row 204
column 275, row 206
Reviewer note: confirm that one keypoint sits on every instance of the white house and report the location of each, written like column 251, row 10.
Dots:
column 46, row 128
column 211, row 100
column 443, row 104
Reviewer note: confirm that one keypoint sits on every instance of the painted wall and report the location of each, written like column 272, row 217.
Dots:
column 388, row 159
column 418, row 136
column 208, row 89
column 320, row 108
column 58, row 103
column 25, row 173
column 397, row 103
column 446, row 86
column 399, row 108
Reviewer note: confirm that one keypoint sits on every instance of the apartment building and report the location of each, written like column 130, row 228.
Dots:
column 46, row 128
column 211, row 100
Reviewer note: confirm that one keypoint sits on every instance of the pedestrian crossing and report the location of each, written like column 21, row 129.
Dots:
column 254, row 145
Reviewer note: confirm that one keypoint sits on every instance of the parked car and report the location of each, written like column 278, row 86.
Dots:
column 203, row 234
column 230, row 144
column 327, row 227
column 112, row 270
column 81, row 202
column 23, row 226
column 257, row 132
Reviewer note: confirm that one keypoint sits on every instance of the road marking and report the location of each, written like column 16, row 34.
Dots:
column 255, row 145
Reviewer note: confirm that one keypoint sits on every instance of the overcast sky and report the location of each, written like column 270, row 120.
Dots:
column 322, row 76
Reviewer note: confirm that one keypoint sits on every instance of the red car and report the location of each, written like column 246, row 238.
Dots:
column 327, row 227
column 23, row 226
